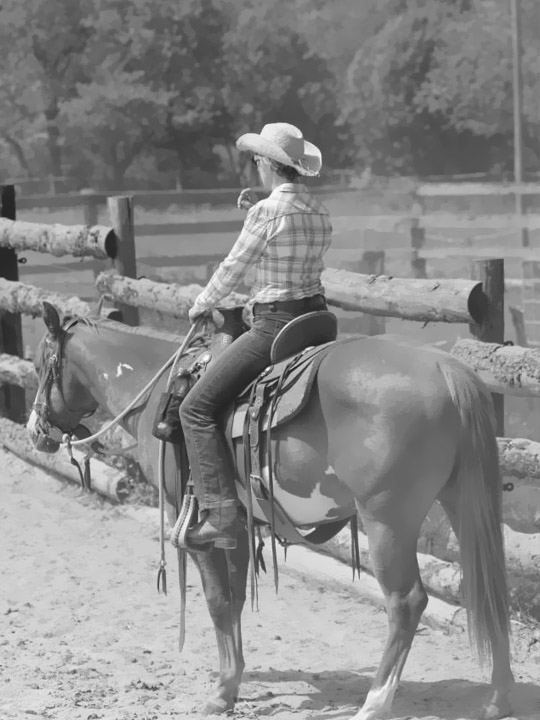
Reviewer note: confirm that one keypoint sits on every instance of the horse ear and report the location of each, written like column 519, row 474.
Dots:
column 51, row 319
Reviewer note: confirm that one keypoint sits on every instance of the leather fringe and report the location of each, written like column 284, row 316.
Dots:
column 355, row 547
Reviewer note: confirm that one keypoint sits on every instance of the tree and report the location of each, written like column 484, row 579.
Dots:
column 430, row 91
column 155, row 87
column 43, row 62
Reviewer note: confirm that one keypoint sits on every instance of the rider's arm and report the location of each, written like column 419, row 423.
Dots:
column 244, row 254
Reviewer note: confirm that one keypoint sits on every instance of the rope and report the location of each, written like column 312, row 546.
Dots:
column 171, row 361
column 162, row 573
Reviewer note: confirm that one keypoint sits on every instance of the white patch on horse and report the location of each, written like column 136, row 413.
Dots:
column 302, row 510
column 329, row 471
column 119, row 370
column 380, row 385
column 379, row 700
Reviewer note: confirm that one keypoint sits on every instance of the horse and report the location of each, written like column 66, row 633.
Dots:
column 390, row 427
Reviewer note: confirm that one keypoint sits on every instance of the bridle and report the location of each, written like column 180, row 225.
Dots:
column 54, row 376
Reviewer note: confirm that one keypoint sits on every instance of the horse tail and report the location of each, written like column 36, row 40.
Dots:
column 481, row 540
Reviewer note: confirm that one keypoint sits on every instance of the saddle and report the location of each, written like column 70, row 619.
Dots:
column 272, row 400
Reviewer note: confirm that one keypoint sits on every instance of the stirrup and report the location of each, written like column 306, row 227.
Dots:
column 187, row 517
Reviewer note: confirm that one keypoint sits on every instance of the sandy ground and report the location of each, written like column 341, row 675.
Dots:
column 86, row 636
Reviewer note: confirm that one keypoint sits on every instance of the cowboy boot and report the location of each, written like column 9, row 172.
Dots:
column 219, row 526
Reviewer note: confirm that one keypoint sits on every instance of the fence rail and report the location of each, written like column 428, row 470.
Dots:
column 478, row 302
column 75, row 240
column 472, row 188
column 452, row 301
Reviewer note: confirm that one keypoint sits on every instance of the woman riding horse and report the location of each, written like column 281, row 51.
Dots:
column 284, row 237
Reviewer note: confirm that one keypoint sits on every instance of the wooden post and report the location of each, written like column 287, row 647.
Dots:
column 91, row 218
column 121, row 215
column 531, row 300
column 491, row 274
column 12, row 398
column 90, row 211
column 518, row 322
column 517, row 87
column 372, row 263
column 418, row 238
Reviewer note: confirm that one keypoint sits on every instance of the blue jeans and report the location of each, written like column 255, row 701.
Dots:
column 228, row 374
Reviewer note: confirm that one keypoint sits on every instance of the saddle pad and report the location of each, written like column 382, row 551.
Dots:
column 293, row 396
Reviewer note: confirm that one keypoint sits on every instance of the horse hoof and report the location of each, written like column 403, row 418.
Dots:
column 494, row 711
column 219, row 706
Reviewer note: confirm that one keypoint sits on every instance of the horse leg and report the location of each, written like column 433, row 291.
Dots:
column 502, row 679
column 393, row 555
column 224, row 579
column 238, row 563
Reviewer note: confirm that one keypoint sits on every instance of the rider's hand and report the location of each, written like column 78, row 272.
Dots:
column 247, row 199
column 196, row 313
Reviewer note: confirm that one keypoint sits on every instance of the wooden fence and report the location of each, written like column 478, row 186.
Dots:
column 478, row 302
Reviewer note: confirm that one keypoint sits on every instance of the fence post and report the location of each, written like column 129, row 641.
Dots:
column 418, row 238
column 530, row 294
column 12, row 397
column 121, row 215
column 491, row 274
column 90, row 210
column 91, row 218
column 372, row 263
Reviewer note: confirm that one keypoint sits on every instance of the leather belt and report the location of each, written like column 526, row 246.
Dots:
column 317, row 302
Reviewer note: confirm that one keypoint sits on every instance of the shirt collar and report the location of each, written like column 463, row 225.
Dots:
column 289, row 188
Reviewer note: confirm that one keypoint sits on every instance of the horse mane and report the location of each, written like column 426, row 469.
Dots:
column 70, row 320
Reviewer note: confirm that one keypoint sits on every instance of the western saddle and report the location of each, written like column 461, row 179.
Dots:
column 274, row 398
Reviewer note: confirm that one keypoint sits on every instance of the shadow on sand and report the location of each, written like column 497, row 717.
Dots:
column 333, row 695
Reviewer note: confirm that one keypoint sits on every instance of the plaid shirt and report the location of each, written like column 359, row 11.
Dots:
column 284, row 238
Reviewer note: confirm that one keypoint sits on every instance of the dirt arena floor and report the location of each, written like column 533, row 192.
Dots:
column 85, row 636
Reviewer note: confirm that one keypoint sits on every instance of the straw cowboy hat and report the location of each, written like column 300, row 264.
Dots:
column 285, row 144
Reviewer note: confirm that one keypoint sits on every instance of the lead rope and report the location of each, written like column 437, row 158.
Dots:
column 182, row 564
column 172, row 361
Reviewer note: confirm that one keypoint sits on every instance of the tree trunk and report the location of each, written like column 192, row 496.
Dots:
column 51, row 113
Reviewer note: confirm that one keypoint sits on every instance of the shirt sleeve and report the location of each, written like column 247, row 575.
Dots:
column 245, row 252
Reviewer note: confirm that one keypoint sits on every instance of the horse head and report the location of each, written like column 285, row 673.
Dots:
column 62, row 399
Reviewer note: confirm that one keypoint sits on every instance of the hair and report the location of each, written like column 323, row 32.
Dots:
column 286, row 171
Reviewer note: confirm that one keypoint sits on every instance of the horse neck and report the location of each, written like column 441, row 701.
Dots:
column 115, row 366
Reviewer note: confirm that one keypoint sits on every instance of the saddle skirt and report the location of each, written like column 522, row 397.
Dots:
column 275, row 398
column 292, row 396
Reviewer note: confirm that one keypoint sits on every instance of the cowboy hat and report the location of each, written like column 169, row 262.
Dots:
column 285, row 144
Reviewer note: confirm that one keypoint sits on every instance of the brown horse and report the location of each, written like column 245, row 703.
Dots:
column 389, row 426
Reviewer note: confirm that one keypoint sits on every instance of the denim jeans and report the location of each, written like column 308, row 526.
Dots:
column 228, row 374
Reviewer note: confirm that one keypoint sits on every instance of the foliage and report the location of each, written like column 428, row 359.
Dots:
column 436, row 80
column 124, row 92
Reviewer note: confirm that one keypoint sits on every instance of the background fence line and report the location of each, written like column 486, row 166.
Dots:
column 478, row 302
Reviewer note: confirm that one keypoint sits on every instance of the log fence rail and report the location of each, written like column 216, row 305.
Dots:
column 477, row 302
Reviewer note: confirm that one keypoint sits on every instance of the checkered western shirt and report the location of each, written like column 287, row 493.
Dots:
column 284, row 239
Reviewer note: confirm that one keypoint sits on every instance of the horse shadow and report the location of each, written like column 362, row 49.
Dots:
column 328, row 692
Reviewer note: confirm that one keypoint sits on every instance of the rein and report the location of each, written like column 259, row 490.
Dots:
column 54, row 374
column 41, row 407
